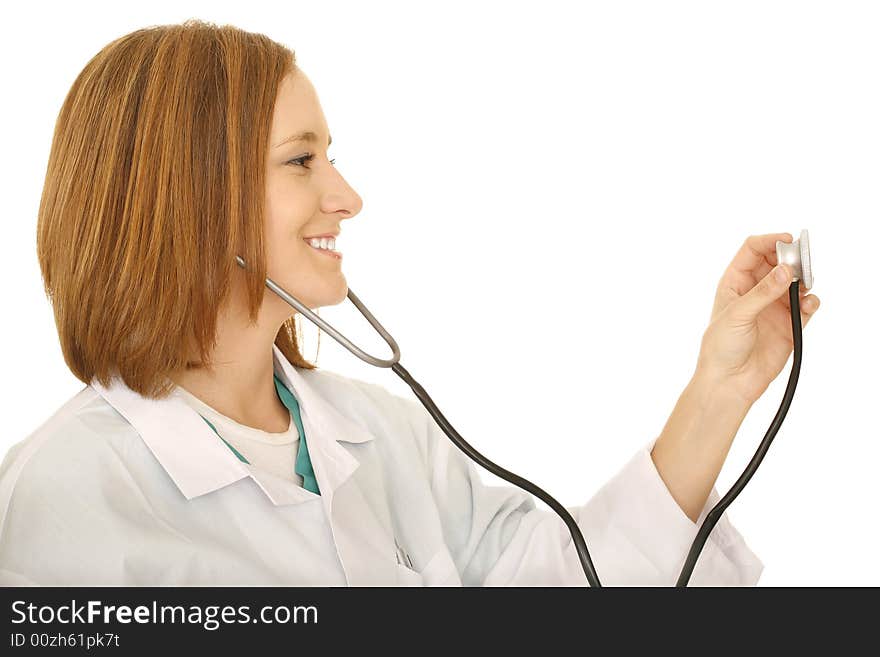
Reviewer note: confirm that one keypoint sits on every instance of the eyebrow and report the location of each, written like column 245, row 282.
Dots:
column 306, row 135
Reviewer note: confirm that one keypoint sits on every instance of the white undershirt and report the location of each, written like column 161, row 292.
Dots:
column 272, row 452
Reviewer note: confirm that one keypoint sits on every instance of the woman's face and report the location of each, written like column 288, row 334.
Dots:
column 305, row 196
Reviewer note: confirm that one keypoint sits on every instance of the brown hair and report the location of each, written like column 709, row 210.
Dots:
column 155, row 182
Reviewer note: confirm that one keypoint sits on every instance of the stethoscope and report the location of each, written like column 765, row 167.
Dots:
column 795, row 255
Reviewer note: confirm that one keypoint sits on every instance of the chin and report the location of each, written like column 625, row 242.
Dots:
column 341, row 296
column 330, row 297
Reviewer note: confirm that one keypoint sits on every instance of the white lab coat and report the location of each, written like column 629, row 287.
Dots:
column 118, row 489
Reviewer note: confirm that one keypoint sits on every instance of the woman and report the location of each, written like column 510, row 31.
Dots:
column 205, row 450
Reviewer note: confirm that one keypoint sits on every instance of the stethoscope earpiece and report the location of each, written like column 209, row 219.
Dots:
column 797, row 256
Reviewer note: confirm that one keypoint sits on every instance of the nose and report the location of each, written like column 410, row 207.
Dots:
column 350, row 203
column 357, row 203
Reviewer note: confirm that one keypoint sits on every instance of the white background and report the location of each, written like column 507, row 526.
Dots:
column 551, row 193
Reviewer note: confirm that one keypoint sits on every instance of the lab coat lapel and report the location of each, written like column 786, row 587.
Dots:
column 201, row 464
column 324, row 427
column 363, row 532
column 185, row 446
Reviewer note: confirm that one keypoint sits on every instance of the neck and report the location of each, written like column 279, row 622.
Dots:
column 241, row 385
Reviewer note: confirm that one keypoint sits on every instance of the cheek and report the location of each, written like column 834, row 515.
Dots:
column 275, row 227
column 288, row 209
column 286, row 252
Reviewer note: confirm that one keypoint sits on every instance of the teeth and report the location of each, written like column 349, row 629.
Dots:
column 327, row 243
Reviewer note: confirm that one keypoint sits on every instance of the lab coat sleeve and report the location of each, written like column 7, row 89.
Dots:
column 32, row 518
column 636, row 533
column 64, row 515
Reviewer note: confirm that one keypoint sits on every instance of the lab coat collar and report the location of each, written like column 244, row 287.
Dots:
column 199, row 463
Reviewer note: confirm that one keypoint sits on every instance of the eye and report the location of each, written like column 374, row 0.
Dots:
column 301, row 161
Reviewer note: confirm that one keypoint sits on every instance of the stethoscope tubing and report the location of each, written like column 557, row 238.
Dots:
column 321, row 323
column 442, row 422
column 573, row 528
column 715, row 514
column 580, row 544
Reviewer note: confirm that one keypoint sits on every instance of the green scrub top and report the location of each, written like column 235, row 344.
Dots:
column 303, row 465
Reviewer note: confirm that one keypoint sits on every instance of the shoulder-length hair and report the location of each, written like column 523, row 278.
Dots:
column 155, row 182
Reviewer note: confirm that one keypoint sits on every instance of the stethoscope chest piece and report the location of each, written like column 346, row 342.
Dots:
column 797, row 256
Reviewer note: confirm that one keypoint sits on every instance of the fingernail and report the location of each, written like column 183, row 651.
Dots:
column 781, row 274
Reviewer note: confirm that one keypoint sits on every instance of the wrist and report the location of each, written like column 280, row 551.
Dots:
column 694, row 443
column 718, row 392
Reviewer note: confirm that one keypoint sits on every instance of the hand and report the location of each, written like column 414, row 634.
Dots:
column 749, row 337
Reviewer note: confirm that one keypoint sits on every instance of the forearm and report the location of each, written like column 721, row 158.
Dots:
column 695, row 441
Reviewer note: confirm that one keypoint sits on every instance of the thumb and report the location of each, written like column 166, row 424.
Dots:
column 768, row 290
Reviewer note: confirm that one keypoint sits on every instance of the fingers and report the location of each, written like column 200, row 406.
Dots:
column 809, row 306
column 802, row 295
column 768, row 290
column 758, row 251
column 807, row 312
column 755, row 259
column 764, row 269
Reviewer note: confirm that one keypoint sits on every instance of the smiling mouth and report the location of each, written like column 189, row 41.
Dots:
column 327, row 252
